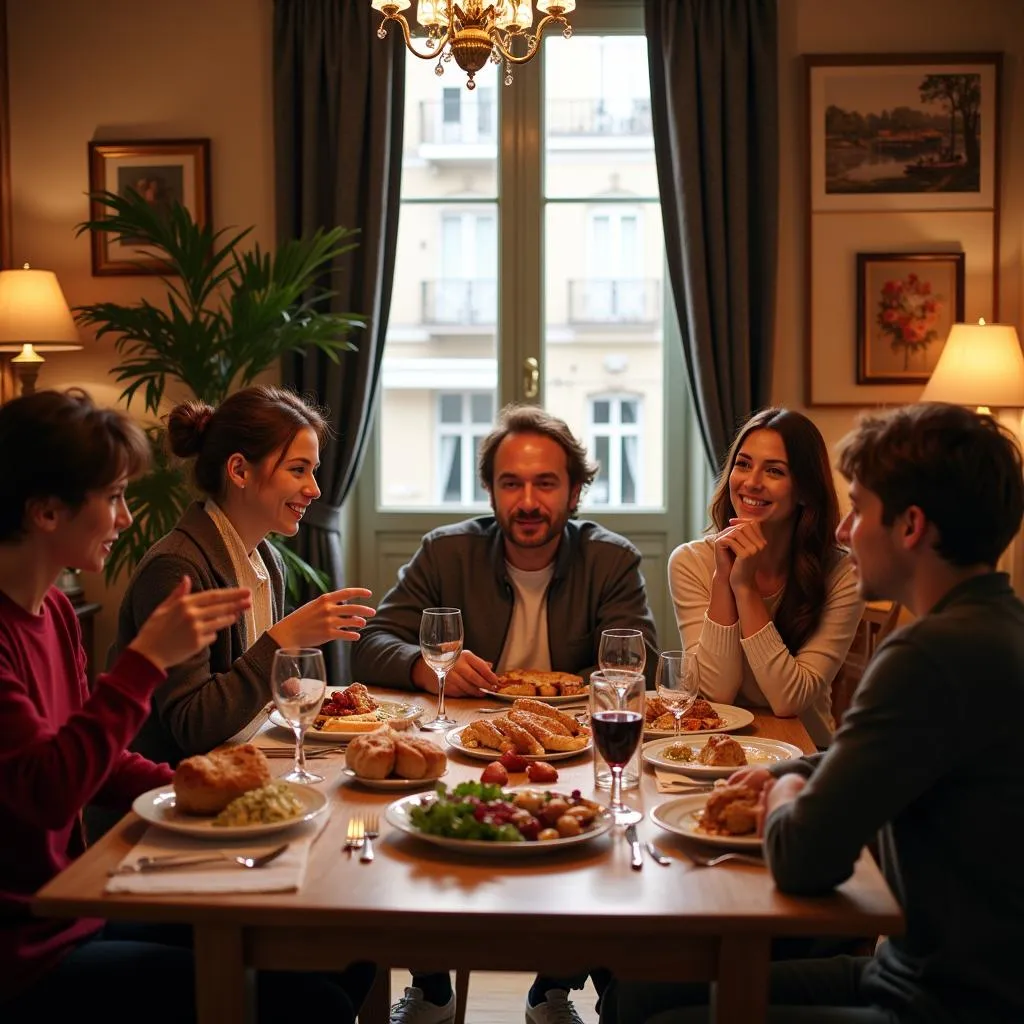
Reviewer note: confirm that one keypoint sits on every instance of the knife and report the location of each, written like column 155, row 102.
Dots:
column 637, row 861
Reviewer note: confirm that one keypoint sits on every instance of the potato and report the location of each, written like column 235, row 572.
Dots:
column 568, row 825
column 553, row 810
column 548, row 833
column 529, row 801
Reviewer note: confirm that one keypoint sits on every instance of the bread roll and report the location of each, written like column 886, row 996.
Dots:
column 418, row 758
column 372, row 755
column 207, row 783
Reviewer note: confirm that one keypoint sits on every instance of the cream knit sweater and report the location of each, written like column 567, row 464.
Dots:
column 759, row 671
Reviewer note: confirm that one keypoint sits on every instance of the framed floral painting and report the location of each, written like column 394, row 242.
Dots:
column 906, row 304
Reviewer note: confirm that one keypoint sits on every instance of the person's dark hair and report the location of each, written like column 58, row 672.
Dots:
column 961, row 468
column 813, row 552
column 255, row 421
column 530, row 419
column 58, row 444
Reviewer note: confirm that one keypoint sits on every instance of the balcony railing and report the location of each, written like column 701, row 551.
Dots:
column 470, row 124
column 597, row 117
column 614, row 301
column 460, row 301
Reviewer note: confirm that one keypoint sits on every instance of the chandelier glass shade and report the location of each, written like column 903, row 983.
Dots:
column 473, row 32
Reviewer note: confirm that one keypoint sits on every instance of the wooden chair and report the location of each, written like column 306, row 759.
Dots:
column 877, row 622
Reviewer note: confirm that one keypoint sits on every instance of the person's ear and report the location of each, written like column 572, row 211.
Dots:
column 44, row 513
column 574, row 498
column 237, row 470
column 914, row 528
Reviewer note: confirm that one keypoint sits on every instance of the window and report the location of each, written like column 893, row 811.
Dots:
column 614, row 434
column 463, row 420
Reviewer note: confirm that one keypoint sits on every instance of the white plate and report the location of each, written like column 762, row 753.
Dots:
column 397, row 815
column 733, row 718
column 157, row 807
column 391, row 783
column 681, row 816
column 392, row 710
column 760, row 754
column 454, row 739
column 579, row 698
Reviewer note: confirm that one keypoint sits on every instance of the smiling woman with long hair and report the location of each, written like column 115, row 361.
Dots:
column 767, row 600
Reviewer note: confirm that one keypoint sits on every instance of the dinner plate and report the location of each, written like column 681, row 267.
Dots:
column 733, row 718
column 158, row 808
column 391, row 783
column 454, row 739
column 393, row 710
column 577, row 698
column 681, row 816
column 397, row 814
column 761, row 753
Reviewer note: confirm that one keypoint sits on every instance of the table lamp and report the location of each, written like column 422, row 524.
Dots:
column 982, row 365
column 34, row 318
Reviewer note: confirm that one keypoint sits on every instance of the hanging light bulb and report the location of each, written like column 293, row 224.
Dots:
column 516, row 15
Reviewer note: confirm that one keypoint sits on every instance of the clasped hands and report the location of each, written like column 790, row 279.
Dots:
column 736, row 551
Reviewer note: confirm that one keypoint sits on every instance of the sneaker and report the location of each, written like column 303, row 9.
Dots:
column 557, row 1008
column 412, row 1008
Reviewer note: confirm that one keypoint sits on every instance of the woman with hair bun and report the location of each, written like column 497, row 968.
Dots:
column 768, row 601
column 256, row 457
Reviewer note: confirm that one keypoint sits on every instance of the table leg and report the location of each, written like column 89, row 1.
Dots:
column 222, row 982
column 376, row 1008
column 742, row 990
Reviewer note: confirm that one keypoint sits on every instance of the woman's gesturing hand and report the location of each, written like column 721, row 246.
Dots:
column 327, row 617
column 186, row 623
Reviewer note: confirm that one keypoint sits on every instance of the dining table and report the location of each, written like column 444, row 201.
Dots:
column 417, row 905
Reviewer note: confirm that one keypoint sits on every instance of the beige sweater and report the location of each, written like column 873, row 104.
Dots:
column 759, row 671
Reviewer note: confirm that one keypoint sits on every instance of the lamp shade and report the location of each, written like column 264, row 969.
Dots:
column 33, row 311
column 981, row 365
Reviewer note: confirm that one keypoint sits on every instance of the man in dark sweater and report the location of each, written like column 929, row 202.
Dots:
column 927, row 756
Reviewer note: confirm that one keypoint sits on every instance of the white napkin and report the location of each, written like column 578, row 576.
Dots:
column 285, row 874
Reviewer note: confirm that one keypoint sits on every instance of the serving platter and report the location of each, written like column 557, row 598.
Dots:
column 158, row 807
column 454, row 740
column 391, row 783
column 393, row 711
column 732, row 717
column 576, row 698
column 397, row 815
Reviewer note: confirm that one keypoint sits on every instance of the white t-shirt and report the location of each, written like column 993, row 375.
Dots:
column 526, row 645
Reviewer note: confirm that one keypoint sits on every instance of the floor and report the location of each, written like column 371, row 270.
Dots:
column 498, row 997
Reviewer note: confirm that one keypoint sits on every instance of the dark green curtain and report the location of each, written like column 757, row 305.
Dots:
column 339, row 95
column 714, row 101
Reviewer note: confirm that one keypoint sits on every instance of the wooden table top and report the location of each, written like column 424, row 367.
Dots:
column 414, row 891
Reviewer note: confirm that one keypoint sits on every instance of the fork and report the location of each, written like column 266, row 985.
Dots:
column 370, row 832
column 703, row 860
column 168, row 861
column 355, row 836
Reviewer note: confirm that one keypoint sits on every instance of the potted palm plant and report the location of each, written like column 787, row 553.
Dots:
column 231, row 312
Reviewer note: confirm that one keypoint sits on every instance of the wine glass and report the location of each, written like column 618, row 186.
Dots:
column 623, row 649
column 617, row 721
column 440, row 644
column 298, row 681
column 678, row 683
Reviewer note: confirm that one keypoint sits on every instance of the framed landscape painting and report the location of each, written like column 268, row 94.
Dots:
column 163, row 172
column 903, row 131
column 906, row 305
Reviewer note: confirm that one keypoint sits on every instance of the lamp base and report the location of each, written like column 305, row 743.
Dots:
column 27, row 374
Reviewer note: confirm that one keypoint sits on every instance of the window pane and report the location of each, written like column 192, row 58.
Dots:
column 482, row 409
column 627, row 411
column 451, row 408
column 452, row 449
column 602, row 412
column 629, row 447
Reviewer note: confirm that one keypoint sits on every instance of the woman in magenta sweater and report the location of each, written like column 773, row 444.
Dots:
column 64, row 465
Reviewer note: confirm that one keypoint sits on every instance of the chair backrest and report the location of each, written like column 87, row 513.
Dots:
column 877, row 622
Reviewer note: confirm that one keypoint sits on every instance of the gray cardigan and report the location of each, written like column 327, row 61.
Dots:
column 597, row 585
column 208, row 698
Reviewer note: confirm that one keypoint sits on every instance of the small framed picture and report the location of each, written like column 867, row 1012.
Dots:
column 164, row 172
column 906, row 305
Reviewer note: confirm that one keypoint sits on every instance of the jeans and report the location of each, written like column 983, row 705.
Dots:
column 129, row 973
column 802, row 992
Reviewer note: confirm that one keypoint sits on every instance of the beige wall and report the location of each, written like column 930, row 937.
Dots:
column 118, row 69
column 887, row 26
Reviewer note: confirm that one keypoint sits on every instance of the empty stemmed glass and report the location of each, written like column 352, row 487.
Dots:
column 622, row 649
column 440, row 644
column 297, row 682
column 617, row 721
column 678, row 683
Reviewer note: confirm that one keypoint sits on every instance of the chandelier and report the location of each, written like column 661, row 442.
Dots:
column 473, row 32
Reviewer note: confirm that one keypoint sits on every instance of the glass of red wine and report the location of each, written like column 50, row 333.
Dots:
column 617, row 720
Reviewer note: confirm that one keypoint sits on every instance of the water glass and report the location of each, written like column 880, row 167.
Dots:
column 298, row 682
column 617, row 719
column 677, row 681
column 441, row 639
column 622, row 649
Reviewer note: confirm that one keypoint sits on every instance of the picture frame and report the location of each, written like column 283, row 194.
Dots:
column 906, row 305
column 903, row 131
column 165, row 171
